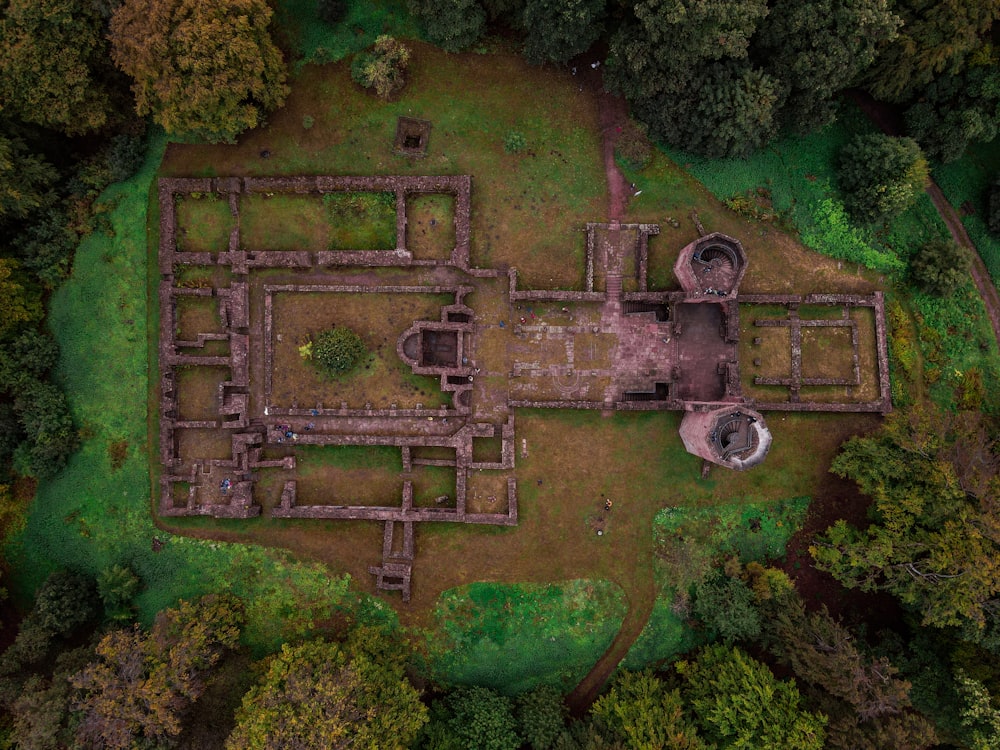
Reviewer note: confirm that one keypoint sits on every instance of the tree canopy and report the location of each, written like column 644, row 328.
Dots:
column 320, row 694
column 141, row 683
column 557, row 30
column 880, row 175
column 205, row 71
column 641, row 711
column 934, row 541
column 52, row 64
column 739, row 704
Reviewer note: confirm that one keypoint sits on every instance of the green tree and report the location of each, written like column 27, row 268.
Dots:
column 957, row 109
column 739, row 704
column 641, row 712
column 472, row 717
column 452, row 25
column 206, row 71
column 541, row 716
column 940, row 266
column 664, row 43
column 52, row 55
column 935, row 38
column 817, row 48
column 25, row 179
column 331, row 12
column 880, row 175
column 337, row 350
column 48, row 427
column 17, row 302
column 141, row 683
column 933, row 538
column 26, row 356
column 40, row 715
column 867, row 703
column 726, row 608
column 993, row 207
column 979, row 716
column 383, row 67
column 117, row 585
column 560, row 29
column 322, row 694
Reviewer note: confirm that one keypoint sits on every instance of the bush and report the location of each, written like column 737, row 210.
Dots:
column 940, row 267
column 382, row 67
column 633, row 148
column 726, row 608
column 124, row 155
column 514, row 142
column 880, row 176
column 64, row 602
column 117, row 585
column 337, row 350
column 308, row 121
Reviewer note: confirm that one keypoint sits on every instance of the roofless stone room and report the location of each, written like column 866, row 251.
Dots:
column 453, row 351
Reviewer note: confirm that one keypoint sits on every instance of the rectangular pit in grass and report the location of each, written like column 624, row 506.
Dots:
column 431, row 484
column 361, row 220
column 828, row 352
column 198, row 392
column 202, row 444
column 196, row 314
column 487, row 450
column 381, row 378
column 486, row 492
column 430, row 225
column 204, row 222
column 283, row 222
column 349, row 475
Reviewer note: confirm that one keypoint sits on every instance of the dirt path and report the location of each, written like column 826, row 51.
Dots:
column 888, row 121
column 641, row 599
column 613, row 113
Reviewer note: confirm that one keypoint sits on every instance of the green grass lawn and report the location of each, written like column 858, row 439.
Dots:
column 514, row 637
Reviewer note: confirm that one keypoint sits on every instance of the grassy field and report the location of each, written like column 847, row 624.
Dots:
column 514, row 637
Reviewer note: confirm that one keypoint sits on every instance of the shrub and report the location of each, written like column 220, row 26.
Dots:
column 383, row 67
column 337, row 350
column 514, row 142
column 633, row 148
column 64, row 602
column 880, row 176
column 124, row 156
column 117, row 585
column 726, row 608
column 308, row 121
column 940, row 267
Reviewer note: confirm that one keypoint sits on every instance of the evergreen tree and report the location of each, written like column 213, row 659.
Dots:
column 880, row 176
column 452, row 25
column 557, row 30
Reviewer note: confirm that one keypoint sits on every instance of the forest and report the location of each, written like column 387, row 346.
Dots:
column 874, row 621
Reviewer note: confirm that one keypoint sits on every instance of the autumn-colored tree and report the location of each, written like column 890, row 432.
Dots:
column 51, row 57
column 738, row 703
column 17, row 303
column 141, row 683
column 383, row 66
column 320, row 694
column 867, row 703
column 641, row 711
column 934, row 540
column 205, row 71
